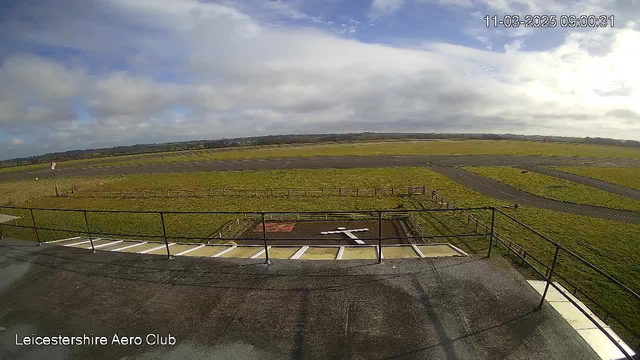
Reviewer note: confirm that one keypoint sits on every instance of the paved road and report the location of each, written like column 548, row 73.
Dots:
column 598, row 184
column 501, row 191
column 439, row 308
column 342, row 162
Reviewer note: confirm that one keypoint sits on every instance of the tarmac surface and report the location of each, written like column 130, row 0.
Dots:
column 442, row 308
column 340, row 162
column 498, row 190
column 585, row 180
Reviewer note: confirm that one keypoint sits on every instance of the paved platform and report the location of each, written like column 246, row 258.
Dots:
column 313, row 251
column 434, row 308
column 600, row 343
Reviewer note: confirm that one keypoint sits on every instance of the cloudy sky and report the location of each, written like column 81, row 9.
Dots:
column 85, row 74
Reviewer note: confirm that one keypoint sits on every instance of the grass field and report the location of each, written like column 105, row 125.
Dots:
column 415, row 147
column 19, row 192
column 610, row 245
column 554, row 188
column 629, row 177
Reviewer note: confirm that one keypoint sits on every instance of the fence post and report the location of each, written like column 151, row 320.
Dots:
column 93, row 248
column 379, row 237
column 164, row 234
column 264, row 237
column 493, row 219
column 33, row 219
column 553, row 266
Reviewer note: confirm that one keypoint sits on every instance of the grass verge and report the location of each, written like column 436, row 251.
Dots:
column 554, row 188
column 629, row 177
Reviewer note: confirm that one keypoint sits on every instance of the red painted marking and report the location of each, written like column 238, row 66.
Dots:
column 276, row 227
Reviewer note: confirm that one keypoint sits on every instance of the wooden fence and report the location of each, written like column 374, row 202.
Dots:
column 282, row 192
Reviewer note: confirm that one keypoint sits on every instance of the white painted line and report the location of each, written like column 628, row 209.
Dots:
column 190, row 250
column 103, row 245
column 415, row 248
column 55, row 241
column 299, row 253
column 340, row 253
column 224, row 251
column 78, row 243
column 598, row 341
column 155, row 248
column 259, row 253
column 129, row 246
column 458, row 250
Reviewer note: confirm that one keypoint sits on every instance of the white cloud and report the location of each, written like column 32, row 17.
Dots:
column 237, row 76
column 16, row 141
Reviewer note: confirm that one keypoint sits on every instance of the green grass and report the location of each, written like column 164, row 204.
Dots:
column 413, row 147
column 629, row 177
column 299, row 178
column 554, row 188
column 19, row 192
column 608, row 244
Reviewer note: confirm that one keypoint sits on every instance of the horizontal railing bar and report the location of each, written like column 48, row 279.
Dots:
column 610, row 314
column 585, row 313
column 523, row 259
column 250, row 212
column 579, row 258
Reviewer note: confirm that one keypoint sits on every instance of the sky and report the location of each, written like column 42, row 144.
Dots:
column 77, row 74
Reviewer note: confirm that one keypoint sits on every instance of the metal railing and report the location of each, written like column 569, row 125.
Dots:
column 379, row 216
column 523, row 254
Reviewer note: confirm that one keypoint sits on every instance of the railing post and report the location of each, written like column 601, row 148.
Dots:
column 546, row 288
column 493, row 219
column 33, row 219
column 93, row 248
column 164, row 234
column 264, row 237
column 379, row 237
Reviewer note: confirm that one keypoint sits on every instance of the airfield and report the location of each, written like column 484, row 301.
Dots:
column 205, row 211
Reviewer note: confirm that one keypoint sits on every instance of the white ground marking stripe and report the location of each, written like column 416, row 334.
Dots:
column 190, row 250
column 415, row 248
column 299, row 253
column 224, row 251
column 78, row 243
column 55, row 241
column 598, row 341
column 259, row 253
column 103, row 245
column 129, row 246
column 458, row 250
column 340, row 253
column 155, row 248
column 96, row 239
